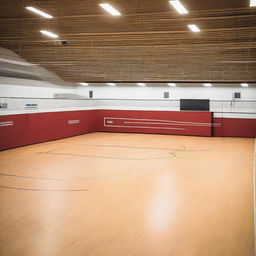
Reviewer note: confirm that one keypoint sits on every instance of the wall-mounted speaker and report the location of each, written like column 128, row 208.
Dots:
column 237, row 95
column 166, row 95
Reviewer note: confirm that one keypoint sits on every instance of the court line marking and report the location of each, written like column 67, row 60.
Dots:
column 108, row 157
column 45, row 190
column 131, row 147
column 203, row 125
column 144, row 127
column 154, row 120
column 13, row 161
column 138, row 173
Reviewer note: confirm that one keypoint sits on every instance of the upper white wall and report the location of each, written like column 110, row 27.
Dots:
column 37, row 89
column 14, row 87
column 154, row 92
column 31, row 92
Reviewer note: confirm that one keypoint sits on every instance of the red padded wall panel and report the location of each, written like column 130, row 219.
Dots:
column 25, row 129
column 235, row 127
column 162, row 122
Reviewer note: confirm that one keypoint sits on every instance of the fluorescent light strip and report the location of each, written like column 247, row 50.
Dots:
column 194, row 28
column 252, row 3
column 48, row 33
column 141, row 84
column 172, row 84
column 179, row 7
column 207, row 85
column 84, row 84
column 41, row 13
column 110, row 9
column 244, row 84
column 111, row 84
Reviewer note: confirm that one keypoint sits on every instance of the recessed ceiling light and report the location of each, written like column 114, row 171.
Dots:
column 84, row 84
column 244, row 84
column 179, row 7
column 252, row 3
column 109, row 8
column 194, row 28
column 41, row 13
column 48, row 33
column 111, row 84
column 172, row 84
column 207, row 85
column 141, row 84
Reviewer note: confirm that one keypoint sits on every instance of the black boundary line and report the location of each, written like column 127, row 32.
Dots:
column 45, row 190
column 101, row 178
column 131, row 147
column 106, row 157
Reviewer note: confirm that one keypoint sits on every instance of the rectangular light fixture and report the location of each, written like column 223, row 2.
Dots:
column 172, row 84
column 244, row 84
column 41, row 13
column 207, row 85
column 194, row 28
column 84, row 84
column 109, row 8
column 179, row 7
column 141, row 84
column 48, row 33
column 252, row 3
column 111, row 84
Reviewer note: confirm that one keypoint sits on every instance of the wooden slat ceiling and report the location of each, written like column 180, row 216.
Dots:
column 150, row 41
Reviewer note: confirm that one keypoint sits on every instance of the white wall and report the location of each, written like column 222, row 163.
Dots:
column 16, row 87
column 31, row 92
column 137, row 92
column 127, row 92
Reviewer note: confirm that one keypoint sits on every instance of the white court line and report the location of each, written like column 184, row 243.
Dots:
column 126, row 126
column 204, row 125
column 154, row 120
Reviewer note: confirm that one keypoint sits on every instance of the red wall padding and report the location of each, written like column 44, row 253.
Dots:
column 26, row 129
column 33, row 128
column 235, row 127
column 162, row 122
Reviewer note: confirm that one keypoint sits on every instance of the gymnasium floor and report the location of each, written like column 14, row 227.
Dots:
column 107, row 194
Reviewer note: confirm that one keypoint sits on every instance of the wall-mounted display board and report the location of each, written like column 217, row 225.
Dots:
column 194, row 105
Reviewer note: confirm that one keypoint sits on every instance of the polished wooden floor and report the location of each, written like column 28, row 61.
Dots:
column 107, row 194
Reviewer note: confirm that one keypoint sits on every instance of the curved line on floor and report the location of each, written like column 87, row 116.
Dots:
column 106, row 157
column 174, row 149
column 131, row 147
column 45, row 190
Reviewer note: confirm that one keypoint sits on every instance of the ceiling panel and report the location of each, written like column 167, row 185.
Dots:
column 150, row 41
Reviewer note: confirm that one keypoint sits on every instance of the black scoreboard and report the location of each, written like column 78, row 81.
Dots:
column 194, row 104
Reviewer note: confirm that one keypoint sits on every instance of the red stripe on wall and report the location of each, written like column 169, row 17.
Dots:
column 234, row 127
